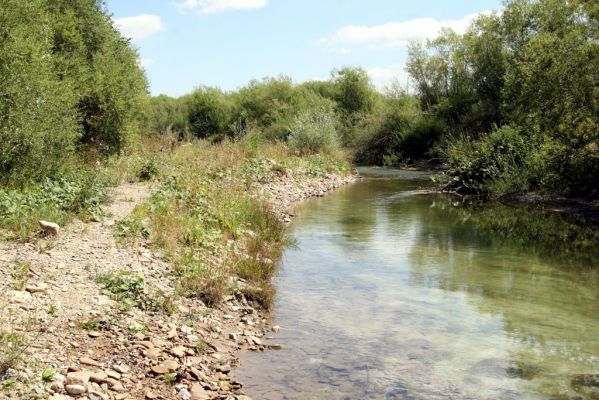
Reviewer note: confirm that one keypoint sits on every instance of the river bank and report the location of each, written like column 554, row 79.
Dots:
column 101, row 315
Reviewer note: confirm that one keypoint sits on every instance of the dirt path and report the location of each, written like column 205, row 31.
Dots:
column 49, row 292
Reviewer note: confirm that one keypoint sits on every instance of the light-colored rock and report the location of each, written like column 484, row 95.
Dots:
column 121, row 369
column 89, row 361
column 150, row 395
column 78, row 378
column 75, row 389
column 256, row 340
column 198, row 393
column 153, row 354
column 276, row 328
column 184, row 394
column 178, row 351
column 50, row 228
column 93, row 395
column 39, row 288
column 98, row 377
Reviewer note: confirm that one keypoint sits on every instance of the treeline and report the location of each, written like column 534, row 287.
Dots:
column 70, row 87
column 511, row 105
column 518, row 98
column 314, row 116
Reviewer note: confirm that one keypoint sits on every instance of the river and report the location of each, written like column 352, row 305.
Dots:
column 394, row 293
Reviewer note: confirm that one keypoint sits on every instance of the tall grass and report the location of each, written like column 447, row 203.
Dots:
column 209, row 221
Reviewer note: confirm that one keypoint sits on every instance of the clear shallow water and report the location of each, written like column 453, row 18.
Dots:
column 397, row 294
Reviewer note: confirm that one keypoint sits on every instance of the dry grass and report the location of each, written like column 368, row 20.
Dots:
column 208, row 220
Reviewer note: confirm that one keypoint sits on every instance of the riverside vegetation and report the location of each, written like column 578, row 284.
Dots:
column 510, row 106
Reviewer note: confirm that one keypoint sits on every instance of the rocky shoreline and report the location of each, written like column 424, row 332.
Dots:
column 82, row 346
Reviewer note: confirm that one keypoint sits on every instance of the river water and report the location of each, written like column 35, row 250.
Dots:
column 392, row 293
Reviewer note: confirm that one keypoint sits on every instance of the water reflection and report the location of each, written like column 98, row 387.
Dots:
column 394, row 294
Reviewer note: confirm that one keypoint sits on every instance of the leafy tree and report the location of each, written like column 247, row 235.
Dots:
column 38, row 127
column 102, row 67
column 209, row 112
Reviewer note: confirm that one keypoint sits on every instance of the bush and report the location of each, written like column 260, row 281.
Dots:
column 38, row 128
column 55, row 199
column 314, row 131
column 209, row 113
column 498, row 163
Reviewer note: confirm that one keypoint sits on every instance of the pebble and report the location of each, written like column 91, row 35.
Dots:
column 184, row 394
column 75, row 389
column 121, row 369
column 97, row 396
column 89, row 361
column 78, row 378
column 198, row 393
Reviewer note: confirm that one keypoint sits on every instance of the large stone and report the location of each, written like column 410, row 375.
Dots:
column 198, row 392
column 39, row 288
column 184, row 394
column 178, row 351
column 89, row 361
column 75, row 389
column 98, row 377
column 78, row 378
column 49, row 227
column 97, row 396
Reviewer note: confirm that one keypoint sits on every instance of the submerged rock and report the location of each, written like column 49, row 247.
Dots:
column 586, row 380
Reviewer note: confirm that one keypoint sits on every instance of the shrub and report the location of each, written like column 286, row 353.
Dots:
column 209, row 112
column 130, row 291
column 314, row 131
column 57, row 200
column 498, row 163
column 38, row 129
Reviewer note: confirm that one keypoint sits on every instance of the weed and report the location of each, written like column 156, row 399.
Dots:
column 138, row 327
column 20, row 274
column 52, row 310
column 12, row 347
column 203, row 347
column 169, row 379
column 9, row 384
column 48, row 374
column 98, row 324
column 130, row 291
column 148, row 171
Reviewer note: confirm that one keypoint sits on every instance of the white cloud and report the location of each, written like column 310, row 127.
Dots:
column 395, row 34
column 220, row 6
column 140, row 26
column 384, row 76
column 146, row 62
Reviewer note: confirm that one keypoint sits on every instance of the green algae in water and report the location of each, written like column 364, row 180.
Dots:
column 393, row 293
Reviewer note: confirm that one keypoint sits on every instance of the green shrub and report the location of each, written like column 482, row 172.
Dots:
column 500, row 162
column 314, row 131
column 209, row 112
column 38, row 129
column 130, row 291
column 57, row 200
column 148, row 171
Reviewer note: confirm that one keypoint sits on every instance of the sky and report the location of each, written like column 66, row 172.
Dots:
column 226, row 43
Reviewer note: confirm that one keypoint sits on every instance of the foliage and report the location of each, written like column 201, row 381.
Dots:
column 499, row 163
column 55, row 199
column 38, row 129
column 314, row 131
column 130, row 291
column 67, row 77
column 209, row 112
column 533, row 67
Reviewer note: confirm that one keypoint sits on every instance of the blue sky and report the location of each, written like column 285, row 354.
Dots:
column 226, row 43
